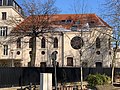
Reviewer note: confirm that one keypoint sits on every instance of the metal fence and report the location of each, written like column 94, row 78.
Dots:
column 14, row 76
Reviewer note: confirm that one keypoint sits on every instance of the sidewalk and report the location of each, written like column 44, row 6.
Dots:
column 19, row 88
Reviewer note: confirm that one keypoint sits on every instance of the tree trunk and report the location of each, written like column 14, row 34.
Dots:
column 33, row 50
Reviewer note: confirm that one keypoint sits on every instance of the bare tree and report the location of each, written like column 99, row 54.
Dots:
column 40, row 13
column 112, row 15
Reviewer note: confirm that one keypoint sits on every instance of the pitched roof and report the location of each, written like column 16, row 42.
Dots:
column 62, row 20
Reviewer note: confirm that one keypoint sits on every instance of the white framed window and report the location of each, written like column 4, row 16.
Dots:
column 4, row 2
column 5, row 50
column 4, row 15
column 3, row 31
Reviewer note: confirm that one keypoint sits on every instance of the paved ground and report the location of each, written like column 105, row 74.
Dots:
column 19, row 88
column 107, row 87
column 100, row 87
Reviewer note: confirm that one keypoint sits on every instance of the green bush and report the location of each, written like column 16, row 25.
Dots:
column 97, row 79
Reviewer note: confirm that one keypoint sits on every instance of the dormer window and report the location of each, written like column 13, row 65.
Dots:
column 92, row 23
column 74, row 28
column 66, row 21
column 77, row 22
column 62, row 21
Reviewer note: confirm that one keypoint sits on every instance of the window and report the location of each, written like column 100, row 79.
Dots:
column 5, row 2
column 70, row 61
column 0, row 2
column 98, row 52
column 10, row 2
column 55, row 42
column 43, row 42
column 97, row 42
column 5, row 52
column 98, row 64
column 30, row 42
column 3, row 31
column 74, row 28
column 109, row 43
column 4, row 15
column 77, row 22
column 19, row 43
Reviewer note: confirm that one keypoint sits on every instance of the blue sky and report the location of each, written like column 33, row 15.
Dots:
column 66, row 6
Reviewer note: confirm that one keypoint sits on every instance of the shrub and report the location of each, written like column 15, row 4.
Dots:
column 97, row 79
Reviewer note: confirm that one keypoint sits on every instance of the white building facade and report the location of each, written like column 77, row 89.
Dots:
column 87, row 33
column 91, row 38
column 10, row 15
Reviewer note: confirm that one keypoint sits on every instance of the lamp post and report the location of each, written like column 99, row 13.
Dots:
column 54, row 57
column 77, row 43
column 81, row 71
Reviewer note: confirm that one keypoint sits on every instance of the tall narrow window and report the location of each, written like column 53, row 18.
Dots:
column 97, row 42
column 4, row 15
column 5, row 2
column 70, row 61
column 5, row 52
column 10, row 2
column 109, row 43
column 30, row 42
column 55, row 42
column 19, row 43
column 43, row 42
column 3, row 31
column 0, row 2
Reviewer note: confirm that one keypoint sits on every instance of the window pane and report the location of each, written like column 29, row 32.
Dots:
column 4, row 15
column 0, row 2
column 30, row 42
column 43, row 43
column 70, row 61
column 10, row 2
column 97, row 42
column 4, row 2
column 19, row 43
column 5, row 52
column 55, row 42
column 3, row 31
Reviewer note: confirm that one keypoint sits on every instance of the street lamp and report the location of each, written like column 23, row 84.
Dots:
column 76, row 43
column 54, row 57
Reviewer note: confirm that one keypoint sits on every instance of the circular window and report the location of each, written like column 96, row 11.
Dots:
column 77, row 42
column 18, row 52
column 43, row 52
column 98, row 52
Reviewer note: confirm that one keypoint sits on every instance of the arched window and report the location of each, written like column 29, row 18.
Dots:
column 30, row 42
column 43, row 42
column 19, row 43
column 97, row 42
column 55, row 42
column 109, row 43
